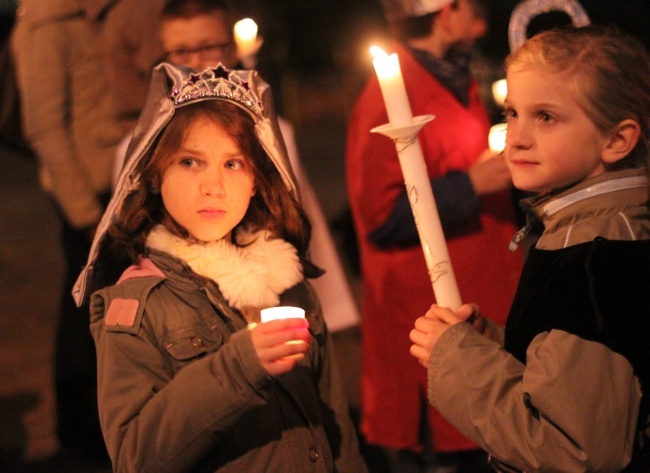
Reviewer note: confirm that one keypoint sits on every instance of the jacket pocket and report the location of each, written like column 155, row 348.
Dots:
column 197, row 345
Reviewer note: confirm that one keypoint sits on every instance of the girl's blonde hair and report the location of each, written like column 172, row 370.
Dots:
column 609, row 75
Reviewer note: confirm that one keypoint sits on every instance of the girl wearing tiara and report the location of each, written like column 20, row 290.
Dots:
column 206, row 213
column 565, row 387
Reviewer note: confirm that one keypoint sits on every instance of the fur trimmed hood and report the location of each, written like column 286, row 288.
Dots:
column 254, row 274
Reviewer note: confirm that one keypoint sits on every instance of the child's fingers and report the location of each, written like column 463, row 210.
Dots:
column 277, row 332
column 282, row 365
column 466, row 311
column 421, row 354
column 283, row 324
column 443, row 314
column 282, row 358
column 282, row 350
column 424, row 324
column 279, row 338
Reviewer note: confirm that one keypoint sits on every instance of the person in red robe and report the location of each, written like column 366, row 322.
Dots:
column 472, row 188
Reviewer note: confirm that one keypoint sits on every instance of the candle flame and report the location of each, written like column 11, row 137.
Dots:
column 377, row 52
column 246, row 29
column 497, row 137
column 499, row 91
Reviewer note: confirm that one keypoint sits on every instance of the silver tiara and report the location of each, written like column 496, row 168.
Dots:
column 218, row 82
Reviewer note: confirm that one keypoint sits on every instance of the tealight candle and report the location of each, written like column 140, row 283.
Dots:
column 246, row 37
column 497, row 137
column 281, row 312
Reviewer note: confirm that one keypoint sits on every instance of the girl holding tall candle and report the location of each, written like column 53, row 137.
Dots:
column 566, row 386
column 473, row 200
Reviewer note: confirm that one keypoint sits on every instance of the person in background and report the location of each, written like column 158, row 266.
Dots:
column 206, row 213
column 129, row 48
column 70, row 126
column 199, row 34
column 472, row 190
column 565, row 388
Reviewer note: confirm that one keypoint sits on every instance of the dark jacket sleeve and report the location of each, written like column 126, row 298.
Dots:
column 572, row 408
column 458, row 208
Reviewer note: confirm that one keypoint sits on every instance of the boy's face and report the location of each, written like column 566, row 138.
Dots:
column 467, row 24
column 198, row 42
column 209, row 183
column 551, row 143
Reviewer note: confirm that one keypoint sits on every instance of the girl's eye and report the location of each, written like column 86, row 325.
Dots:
column 509, row 114
column 545, row 116
column 187, row 162
column 235, row 164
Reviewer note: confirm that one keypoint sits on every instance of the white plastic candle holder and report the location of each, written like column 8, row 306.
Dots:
column 281, row 312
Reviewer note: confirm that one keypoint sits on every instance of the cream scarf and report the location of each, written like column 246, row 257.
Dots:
column 252, row 275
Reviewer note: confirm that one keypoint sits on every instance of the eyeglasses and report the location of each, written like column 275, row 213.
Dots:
column 208, row 52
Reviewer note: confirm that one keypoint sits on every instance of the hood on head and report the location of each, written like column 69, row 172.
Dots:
column 173, row 87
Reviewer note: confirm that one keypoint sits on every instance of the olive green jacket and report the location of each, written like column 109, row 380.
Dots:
column 181, row 388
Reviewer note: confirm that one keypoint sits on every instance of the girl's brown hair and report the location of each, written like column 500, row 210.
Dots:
column 609, row 75
column 273, row 207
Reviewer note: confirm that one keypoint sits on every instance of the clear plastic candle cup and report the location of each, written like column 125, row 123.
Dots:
column 282, row 312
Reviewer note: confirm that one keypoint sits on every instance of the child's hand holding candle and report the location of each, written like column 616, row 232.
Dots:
column 281, row 339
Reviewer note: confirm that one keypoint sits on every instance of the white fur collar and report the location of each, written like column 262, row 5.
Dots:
column 253, row 275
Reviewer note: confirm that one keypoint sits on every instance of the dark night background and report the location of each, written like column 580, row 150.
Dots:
column 315, row 55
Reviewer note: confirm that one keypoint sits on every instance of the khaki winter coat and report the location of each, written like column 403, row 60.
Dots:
column 181, row 388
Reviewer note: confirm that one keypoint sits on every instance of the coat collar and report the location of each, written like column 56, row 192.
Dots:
column 251, row 275
column 589, row 209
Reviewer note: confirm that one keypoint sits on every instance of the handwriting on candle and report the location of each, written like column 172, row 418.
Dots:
column 438, row 269
column 403, row 129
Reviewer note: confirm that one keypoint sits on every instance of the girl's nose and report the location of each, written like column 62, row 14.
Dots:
column 212, row 183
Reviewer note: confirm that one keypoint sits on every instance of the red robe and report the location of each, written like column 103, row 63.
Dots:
column 396, row 286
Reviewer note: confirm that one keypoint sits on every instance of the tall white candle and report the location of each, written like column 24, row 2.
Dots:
column 392, row 87
column 246, row 37
column 403, row 130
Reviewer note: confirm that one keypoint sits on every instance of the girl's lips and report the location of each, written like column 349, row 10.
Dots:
column 212, row 214
column 522, row 162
